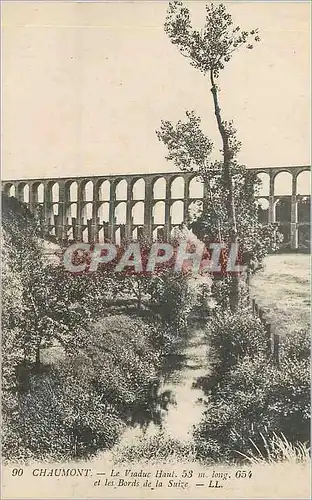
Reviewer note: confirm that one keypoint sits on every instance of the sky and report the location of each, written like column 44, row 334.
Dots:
column 85, row 86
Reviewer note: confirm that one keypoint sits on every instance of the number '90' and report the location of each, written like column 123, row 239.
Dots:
column 17, row 472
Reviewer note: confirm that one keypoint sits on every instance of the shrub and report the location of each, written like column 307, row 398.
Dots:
column 232, row 337
column 155, row 448
column 59, row 419
column 81, row 404
column 221, row 289
column 257, row 397
column 174, row 300
column 296, row 346
column 249, row 397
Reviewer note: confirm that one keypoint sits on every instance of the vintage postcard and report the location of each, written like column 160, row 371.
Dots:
column 155, row 249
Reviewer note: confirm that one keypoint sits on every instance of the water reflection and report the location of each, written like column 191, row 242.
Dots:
column 152, row 406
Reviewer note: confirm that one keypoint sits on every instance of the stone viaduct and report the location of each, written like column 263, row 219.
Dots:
column 94, row 208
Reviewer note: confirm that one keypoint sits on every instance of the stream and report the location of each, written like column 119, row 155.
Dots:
column 184, row 368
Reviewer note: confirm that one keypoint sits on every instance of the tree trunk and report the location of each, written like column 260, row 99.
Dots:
column 228, row 183
column 139, row 303
column 38, row 360
column 139, row 297
column 214, row 209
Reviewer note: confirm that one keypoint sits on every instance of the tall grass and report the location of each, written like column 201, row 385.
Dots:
column 276, row 449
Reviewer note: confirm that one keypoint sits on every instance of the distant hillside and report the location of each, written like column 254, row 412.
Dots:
column 16, row 218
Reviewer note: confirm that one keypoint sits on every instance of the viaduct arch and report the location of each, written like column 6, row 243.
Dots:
column 112, row 207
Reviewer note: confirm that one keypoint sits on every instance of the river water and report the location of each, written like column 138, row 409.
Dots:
column 184, row 368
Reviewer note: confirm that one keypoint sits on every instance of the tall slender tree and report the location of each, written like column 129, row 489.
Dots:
column 208, row 50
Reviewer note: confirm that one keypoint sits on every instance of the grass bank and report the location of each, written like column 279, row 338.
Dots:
column 282, row 289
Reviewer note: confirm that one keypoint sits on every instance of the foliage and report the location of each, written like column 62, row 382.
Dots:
column 109, row 374
column 20, row 255
column 212, row 47
column 12, row 316
column 212, row 223
column 296, row 346
column 163, row 291
column 155, row 449
column 230, row 210
column 58, row 419
column 255, row 398
column 120, row 358
column 174, row 299
column 208, row 50
column 188, row 146
column 231, row 338
column 82, row 403
column 249, row 397
column 39, row 303
column 42, row 303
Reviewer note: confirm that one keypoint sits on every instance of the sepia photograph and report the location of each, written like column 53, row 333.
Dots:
column 155, row 249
